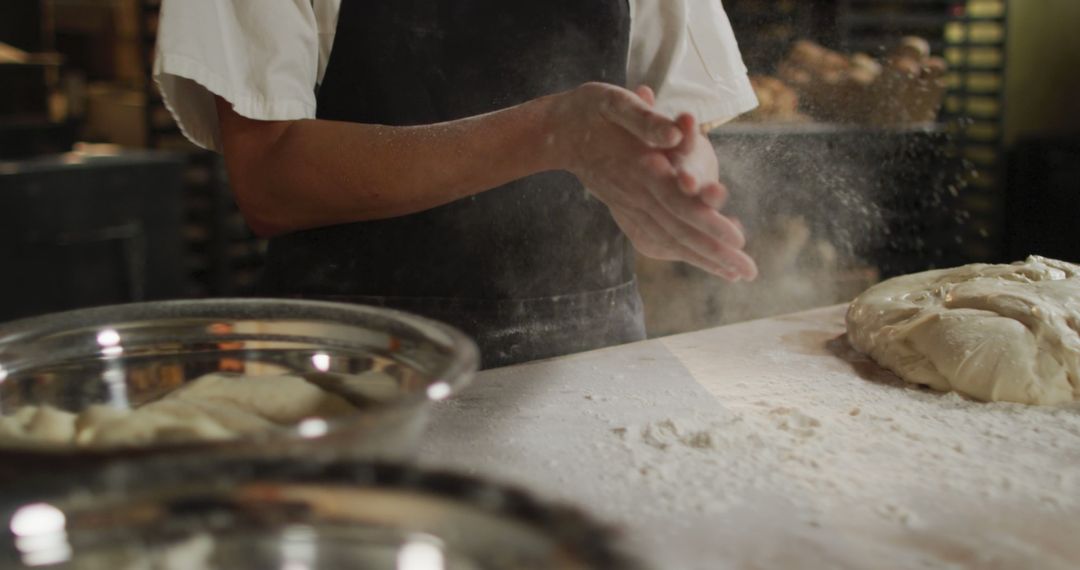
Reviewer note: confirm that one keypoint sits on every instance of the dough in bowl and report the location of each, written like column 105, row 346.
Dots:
column 992, row 332
column 211, row 408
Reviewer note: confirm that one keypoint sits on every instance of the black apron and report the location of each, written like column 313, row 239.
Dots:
column 533, row 269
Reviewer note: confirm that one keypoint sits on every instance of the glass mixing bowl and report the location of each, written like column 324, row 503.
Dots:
column 271, row 513
column 390, row 365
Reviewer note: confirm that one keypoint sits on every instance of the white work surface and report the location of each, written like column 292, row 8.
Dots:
column 768, row 445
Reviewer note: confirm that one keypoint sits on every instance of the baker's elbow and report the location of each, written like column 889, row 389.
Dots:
column 264, row 228
column 248, row 146
column 263, row 225
column 263, row 216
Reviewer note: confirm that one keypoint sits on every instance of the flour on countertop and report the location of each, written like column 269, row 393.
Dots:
column 963, row 447
column 766, row 445
column 832, row 443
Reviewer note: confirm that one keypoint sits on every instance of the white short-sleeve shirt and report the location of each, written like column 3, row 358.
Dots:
column 266, row 57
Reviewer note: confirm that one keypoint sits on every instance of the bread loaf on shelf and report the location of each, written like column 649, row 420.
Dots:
column 907, row 86
column 777, row 103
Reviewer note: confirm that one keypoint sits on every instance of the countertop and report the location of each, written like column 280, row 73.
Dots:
column 770, row 444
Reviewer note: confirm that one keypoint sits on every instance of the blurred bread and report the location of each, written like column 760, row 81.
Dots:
column 912, row 47
column 777, row 102
column 907, row 87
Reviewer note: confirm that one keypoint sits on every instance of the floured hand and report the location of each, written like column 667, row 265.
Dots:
column 646, row 168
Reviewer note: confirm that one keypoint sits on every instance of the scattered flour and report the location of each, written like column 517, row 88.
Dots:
column 837, row 448
column 766, row 445
column 875, row 444
column 844, row 444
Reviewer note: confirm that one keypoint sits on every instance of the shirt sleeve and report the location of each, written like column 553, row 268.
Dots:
column 262, row 56
column 686, row 51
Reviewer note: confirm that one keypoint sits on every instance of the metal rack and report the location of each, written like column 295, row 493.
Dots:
column 971, row 35
column 871, row 25
column 975, row 107
column 223, row 257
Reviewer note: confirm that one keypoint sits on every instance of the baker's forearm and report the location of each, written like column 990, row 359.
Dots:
column 645, row 167
column 315, row 173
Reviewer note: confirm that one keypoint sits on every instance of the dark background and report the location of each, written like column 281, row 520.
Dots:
column 148, row 216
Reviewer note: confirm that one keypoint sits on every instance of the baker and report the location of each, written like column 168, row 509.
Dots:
column 475, row 161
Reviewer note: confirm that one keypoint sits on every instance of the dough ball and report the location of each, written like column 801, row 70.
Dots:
column 993, row 332
column 24, row 414
column 212, row 408
column 42, row 424
column 158, row 422
column 51, row 425
column 11, row 428
column 236, row 420
column 95, row 416
column 283, row 400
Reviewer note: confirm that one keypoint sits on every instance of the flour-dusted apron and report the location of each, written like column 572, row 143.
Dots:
column 533, row 269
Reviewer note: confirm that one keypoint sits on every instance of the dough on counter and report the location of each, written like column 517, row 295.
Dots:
column 993, row 332
column 214, row 407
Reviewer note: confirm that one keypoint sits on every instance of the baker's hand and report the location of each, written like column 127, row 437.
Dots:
column 695, row 161
column 639, row 164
